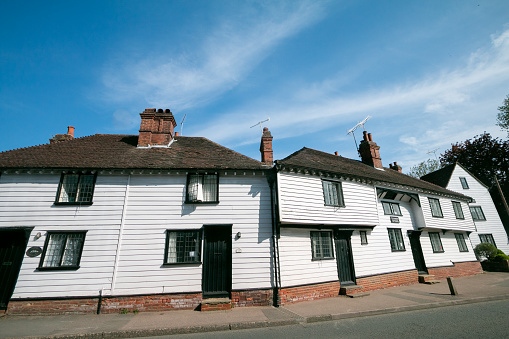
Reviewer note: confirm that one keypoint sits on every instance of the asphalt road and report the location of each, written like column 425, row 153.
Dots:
column 480, row 320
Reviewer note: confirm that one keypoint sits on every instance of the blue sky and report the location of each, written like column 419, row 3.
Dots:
column 429, row 73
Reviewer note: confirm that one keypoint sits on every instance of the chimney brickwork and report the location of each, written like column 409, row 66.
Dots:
column 370, row 151
column 396, row 167
column 266, row 147
column 156, row 128
column 63, row 137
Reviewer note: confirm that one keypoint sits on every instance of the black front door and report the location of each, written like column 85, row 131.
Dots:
column 12, row 249
column 344, row 259
column 415, row 244
column 217, row 261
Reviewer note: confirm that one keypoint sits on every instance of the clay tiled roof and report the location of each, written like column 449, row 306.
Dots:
column 316, row 160
column 112, row 151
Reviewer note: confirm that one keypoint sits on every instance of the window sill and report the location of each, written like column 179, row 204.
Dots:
column 404, row 250
column 60, row 268
column 334, row 205
column 73, row 203
column 438, row 216
column 479, row 219
column 464, row 251
column 182, row 263
column 201, row 202
column 321, row 259
column 438, row 251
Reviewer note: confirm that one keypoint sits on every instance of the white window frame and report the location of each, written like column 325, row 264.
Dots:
column 333, row 193
column 321, row 245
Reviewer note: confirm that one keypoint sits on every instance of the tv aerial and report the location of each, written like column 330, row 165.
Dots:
column 260, row 123
column 359, row 124
column 182, row 123
column 434, row 151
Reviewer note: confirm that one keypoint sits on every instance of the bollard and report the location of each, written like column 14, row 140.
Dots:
column 451, row 286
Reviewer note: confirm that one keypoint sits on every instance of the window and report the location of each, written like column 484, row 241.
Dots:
column 182, row 247
column 333, row 193
column 391, row 208
column 62, row 250
column 458, row 211
column 436, row 210
column 460, row 239
column 364, row 237
column 321, row 245
column 202, row 188
column 436, row 243
column 396, row 239
column 464, row 183
column 487, row 238
column 75, row 188
column 477, row 213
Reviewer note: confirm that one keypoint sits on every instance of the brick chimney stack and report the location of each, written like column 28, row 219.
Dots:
column 63, row 137
column 266, row 147
column 369, row 151
column 396, row 167
column 156, row 128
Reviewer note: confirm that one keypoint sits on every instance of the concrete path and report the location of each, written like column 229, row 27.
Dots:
column 479, row 288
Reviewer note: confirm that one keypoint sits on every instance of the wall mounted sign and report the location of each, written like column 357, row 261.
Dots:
column 395, row 220
column 34, row 251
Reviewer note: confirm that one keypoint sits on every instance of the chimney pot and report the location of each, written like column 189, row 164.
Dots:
column 176, row 134
column 370, row 138
column 156, row 127
column 365, row 135
column 70, row 131
column 336, row 153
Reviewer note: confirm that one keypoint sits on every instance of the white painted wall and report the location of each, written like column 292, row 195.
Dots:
column 482, row 197
column 448, row 221
column 451, row 252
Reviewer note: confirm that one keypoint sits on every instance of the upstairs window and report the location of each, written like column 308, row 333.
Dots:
column 182, row 247
column 321, row 245
column 460, row 239
column 436, row 210
column 202, row 188
column 391, row 208
column 477, row 213
column 487, row 238
column 333, row 193
column 396, row 239
column 458, row 211
column 464, row 183
column 75, row 188
column 62, row 250
column 436, row 242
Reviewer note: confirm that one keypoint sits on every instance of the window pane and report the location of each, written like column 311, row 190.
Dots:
column 364, row 237
column 464, row 183
column 434, row 204
column 63, row 250
column 183, row 247
column 332, row 193
column 321, row 245
column 69, row 188
column 396, row 209
column 172, row 247
column 396, row 239
column 460, row 239
column 192, row 187
column 72, row 249
column 387, row 208
column 458, row 211
column 85, row 189
column 436, row 243
column 210, row 188
column 54, row 250
column 477, row 213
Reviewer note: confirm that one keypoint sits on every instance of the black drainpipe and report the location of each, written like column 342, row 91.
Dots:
column 272, row 180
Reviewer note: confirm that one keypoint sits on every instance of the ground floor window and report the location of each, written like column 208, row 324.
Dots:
column 364, row 237
column 396, row 239
column 487, row 238
column 183, row 247
column 460, row 239
column 62, row 250
column 321, row 245
column 436, row 242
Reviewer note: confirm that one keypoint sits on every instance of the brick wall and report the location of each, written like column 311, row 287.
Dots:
column 380, row 281
column 309, row 292
column 460, row 269
column 252, row 298
column 60, row 306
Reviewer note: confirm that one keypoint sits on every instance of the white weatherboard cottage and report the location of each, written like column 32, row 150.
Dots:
column 482, row 210
column 355, row 226
column 152, row 221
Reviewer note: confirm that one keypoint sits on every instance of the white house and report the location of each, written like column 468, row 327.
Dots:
column 154, row 221
column 357, row 226
column 482, row 210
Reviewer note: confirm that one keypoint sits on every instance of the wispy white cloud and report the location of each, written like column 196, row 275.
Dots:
column 226, row 56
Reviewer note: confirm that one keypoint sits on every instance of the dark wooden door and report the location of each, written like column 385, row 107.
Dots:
column 217, row 262
column 344, row 258
column 12, row 249
column 415, row 244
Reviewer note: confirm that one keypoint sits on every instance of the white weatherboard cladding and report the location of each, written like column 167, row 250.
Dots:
column 296, row 264
column 156, row 204
column 448, row 221
column 302, row 202
column 480, row 193
column 451, row 253
column 28, row 201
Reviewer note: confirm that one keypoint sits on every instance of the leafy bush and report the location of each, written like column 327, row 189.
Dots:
column 485, row 250
column 499, row 256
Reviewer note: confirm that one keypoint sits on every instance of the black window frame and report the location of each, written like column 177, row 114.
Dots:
column 197, row 233
column 80, row 175
column 487, row 238
column 462, row 244
column 321, row 236
column 464, row 183
column 456, row 206
column 339, row 193
column 475, row 215
column 62, row 251
column 395, row 245
column 436, row 242
column 364, row 237
column 391, row 206
column 202, row 176
column 433, row 211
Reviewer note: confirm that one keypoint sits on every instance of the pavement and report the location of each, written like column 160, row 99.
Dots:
column 488, row 286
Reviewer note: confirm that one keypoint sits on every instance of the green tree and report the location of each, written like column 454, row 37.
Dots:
column 503, row 115
column 424, row 168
